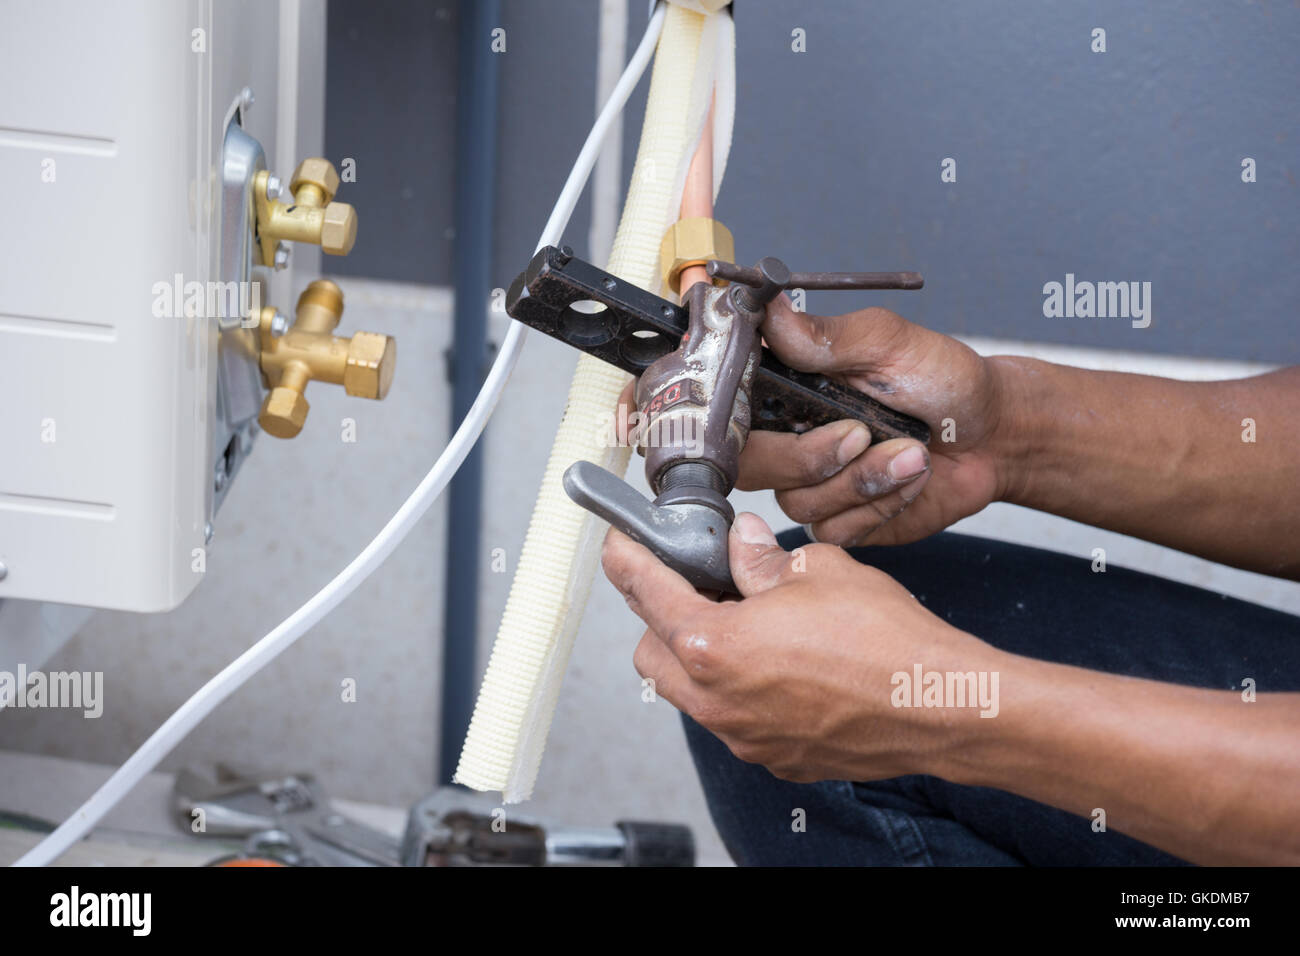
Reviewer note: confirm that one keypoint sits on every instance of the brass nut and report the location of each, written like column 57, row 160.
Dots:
column 693, row 242
column 338, row 229
column 316, row 172
column 372, row 359
column 283, row 412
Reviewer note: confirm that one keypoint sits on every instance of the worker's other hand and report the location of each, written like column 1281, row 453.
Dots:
column 798, row 675
column 896, row 491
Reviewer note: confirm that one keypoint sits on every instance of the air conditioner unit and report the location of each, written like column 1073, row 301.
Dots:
column 131, row 136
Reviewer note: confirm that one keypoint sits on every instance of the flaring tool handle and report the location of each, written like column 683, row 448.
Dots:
column 690, row 539
column 770, row 277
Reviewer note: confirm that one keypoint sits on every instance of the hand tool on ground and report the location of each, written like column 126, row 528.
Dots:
column 286, row 818
column 452, row 828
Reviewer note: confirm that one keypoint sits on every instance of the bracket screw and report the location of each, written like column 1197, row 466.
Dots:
column 279, row 324
column 273, row 186
column 281, row 256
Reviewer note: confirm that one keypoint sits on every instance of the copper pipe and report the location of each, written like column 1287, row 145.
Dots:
column 697, row 196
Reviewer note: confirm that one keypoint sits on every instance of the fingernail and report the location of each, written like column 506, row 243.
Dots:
column 853, row 444
column 907, row 463
column 753, row 530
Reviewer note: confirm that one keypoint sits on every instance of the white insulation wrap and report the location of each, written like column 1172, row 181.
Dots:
column 503, row 749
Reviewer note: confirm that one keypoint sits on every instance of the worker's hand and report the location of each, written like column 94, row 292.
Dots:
column 798, row 676
column 895, row 491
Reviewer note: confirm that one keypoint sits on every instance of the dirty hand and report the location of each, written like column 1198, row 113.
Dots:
column 797, row 676
column 829, row 479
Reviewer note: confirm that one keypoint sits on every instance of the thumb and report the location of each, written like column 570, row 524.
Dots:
column 857, row 341
column 758, row 562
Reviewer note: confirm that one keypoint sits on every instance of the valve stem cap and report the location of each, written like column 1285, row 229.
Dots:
column 283, row 412
column 338, row 229
column 372, row 359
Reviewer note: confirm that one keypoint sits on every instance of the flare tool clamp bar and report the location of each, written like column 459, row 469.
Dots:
column 633, row 328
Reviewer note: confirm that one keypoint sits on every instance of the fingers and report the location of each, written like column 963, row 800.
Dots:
column 627, row 397
column 623, row 410
column 657, row 594
column 758, row 562
column 873, row 523
column 857, row 341
column 688, row 625
column 781, row 460
column 655, row 662
column 884, row 478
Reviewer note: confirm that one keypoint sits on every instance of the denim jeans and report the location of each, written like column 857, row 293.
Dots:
column 1031, row 602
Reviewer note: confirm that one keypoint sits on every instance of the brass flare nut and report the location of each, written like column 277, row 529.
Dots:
column 313, row 216
column 362, row 364
column 693, row 242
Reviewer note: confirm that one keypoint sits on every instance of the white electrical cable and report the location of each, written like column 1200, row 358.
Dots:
column 216, row 690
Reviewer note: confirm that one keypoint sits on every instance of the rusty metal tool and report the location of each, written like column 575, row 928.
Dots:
column 706, row 380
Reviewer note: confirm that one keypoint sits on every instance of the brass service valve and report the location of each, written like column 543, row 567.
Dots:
column 313, row 216
column 362, row 364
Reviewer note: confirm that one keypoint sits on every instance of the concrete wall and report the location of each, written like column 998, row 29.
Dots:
column 1115, row 166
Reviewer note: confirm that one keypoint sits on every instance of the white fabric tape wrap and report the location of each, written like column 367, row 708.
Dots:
column 503, row 749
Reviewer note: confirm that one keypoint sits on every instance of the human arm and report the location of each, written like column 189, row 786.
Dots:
column 799, row 676
column 1160, row 459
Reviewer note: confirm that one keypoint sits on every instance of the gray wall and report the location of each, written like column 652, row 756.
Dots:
column 391, row 89
column 390, row 93
column 1116, row 166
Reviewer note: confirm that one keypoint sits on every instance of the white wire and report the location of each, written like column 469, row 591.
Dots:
column 216, row 690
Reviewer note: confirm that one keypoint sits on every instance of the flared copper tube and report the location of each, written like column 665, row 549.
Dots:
column 697, row 195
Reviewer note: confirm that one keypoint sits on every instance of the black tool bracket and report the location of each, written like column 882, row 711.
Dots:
column 563, row 296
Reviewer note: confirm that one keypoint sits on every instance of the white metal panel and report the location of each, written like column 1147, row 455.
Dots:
column 109, row 512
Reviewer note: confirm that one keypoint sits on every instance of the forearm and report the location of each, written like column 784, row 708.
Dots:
column 1159, row 459
column 1201, row 774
